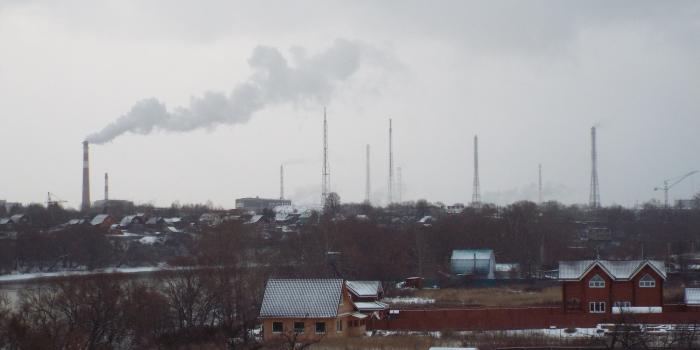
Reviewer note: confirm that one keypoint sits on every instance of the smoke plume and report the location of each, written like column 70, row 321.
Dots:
column 274, row 81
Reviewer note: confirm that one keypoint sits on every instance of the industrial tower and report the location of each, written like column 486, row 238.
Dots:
column 476, row 190
column 325, row 171
column 391, row 167
column 85, row 206
column 367, row 183
column 594, row 198
column 281, row 181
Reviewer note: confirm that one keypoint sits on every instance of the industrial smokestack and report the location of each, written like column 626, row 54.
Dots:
column 106, row 188
column 86, row 178
column 281, row 181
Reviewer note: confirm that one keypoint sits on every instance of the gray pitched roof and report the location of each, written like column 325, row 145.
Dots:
column 364, row 288
column 301, row 298
column 618, row 270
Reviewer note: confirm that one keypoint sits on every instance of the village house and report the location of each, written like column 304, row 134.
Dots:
column 309, row 309
column 366, row 295
column 606, row 286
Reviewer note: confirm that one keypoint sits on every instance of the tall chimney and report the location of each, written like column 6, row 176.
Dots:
column 281, row 181
column 106, row 188
column 86, row 178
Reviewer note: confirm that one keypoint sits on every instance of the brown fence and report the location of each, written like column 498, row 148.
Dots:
column 518, row 318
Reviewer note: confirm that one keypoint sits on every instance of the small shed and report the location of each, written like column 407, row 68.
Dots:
column 478, row 263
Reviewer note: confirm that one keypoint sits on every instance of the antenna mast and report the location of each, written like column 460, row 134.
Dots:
column 391, row 167
column 325, row 172
column 476, row 190
column 594, row 198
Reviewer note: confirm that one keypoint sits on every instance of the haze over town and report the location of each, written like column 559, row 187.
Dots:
column 530, row 78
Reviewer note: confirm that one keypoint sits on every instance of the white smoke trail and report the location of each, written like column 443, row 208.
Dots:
column 274, row 81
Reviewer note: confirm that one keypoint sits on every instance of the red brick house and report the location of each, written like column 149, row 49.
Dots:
column 598, row 286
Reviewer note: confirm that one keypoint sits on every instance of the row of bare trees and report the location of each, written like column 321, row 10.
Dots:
column 213, row 306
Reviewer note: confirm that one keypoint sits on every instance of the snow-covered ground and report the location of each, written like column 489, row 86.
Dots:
column 408, row 300
column 550, row 332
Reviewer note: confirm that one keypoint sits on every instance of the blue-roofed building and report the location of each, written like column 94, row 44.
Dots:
column 477, row 263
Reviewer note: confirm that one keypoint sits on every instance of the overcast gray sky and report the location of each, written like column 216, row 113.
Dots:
column 230, row 90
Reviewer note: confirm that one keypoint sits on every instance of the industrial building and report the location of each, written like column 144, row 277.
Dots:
column 258, row 204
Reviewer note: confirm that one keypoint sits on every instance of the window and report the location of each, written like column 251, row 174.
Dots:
column 339, row 325
column 596, row 282
column 298, row 327
column 596, row 307
column 277, row 327
column 320, row 327
column 647, row 282
column 622, row 304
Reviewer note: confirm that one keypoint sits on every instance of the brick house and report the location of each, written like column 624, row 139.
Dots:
column 603, row 286
column 366, row 295
column 309, row 309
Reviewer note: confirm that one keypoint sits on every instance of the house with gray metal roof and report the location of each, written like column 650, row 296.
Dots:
column 609, row 286
column 365, row 290
column 479, row 263
column 309, row 309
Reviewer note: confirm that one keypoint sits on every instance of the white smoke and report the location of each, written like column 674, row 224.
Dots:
column 274, row 81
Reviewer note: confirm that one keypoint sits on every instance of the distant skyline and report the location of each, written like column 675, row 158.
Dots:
column 202, row 101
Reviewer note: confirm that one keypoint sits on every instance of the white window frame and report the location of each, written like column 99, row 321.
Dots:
column 596, row 282
column 596, row 307
column 647, row 281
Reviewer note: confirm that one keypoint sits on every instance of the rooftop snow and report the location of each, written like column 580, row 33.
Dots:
column 617, row 269
column 364, row 288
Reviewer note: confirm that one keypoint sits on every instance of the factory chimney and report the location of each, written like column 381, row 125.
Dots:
column 106, row 188
column 86, row 178
column 281, row 181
